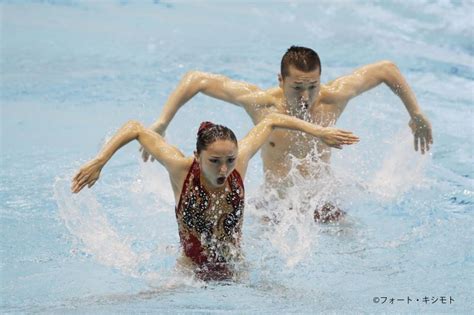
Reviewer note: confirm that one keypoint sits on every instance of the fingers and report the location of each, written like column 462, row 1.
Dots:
column 145, row 155
column 92, row 183
column 344, row 131
column 76, row 179
column 77, row 175
column 430, row 137
column 348, row 139
column 416, row 142
column 422, row 145
column 347, row 135
column 79, row 183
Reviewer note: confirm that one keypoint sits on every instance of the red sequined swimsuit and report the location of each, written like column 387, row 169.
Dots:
column 210, row 224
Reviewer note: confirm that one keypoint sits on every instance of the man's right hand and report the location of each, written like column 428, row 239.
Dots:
column 145, row 154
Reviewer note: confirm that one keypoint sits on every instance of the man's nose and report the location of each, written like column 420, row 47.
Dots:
column 305, row 95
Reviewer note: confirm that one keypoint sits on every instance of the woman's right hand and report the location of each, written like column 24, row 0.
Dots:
column 335, row 138
column 88, row 174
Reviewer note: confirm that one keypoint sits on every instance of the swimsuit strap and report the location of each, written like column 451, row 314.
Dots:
column 193, row 170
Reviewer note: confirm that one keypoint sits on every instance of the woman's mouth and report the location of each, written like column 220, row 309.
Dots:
column 221, row 180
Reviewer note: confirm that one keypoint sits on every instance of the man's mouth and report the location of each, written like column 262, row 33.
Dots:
column 221, row 180
column 304, row 105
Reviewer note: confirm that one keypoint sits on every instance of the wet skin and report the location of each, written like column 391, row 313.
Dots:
column 299, row 94
column 217, row 162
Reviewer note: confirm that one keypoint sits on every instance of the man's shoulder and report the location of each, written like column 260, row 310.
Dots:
column 331, row 93
column 264, row 98
column 274, row 91
column 273, row 96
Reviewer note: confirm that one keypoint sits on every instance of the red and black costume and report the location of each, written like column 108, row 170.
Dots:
column 210, row 224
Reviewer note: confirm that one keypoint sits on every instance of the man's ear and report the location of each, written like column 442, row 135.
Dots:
column 280, row 80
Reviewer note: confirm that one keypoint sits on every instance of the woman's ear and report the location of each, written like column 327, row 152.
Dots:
column 196, row 156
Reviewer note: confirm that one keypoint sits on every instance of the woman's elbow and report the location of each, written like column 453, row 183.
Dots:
column 134, row 127
column 272, row 119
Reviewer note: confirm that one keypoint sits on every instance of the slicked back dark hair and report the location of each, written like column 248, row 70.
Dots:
column 208, row 133
column 302, row 58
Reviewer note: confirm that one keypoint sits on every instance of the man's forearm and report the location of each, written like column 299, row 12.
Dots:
column 397, row 83
column 187, row 88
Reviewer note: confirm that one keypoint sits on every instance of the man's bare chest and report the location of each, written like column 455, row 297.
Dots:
column 283, row 143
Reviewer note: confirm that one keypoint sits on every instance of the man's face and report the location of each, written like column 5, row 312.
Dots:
column 300, row 88
column 217, row 162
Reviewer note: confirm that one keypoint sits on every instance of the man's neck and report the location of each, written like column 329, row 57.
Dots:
column 300, row 113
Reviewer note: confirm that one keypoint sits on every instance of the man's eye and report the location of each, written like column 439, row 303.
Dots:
column 297, row 88
column 213, row 160
column 312, row 87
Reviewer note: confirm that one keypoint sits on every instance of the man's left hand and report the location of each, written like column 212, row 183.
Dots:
column 421, row 129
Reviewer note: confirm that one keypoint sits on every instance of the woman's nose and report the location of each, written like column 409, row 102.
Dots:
column 223, row 169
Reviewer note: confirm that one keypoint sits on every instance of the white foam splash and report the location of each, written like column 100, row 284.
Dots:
column 84, row 217
column 153, row 180
column 293, row 233
column 402, row 169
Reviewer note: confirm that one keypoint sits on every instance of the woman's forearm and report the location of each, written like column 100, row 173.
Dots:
column 293, row 123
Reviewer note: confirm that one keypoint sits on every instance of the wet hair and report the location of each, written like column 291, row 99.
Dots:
column 208, row 133
column 302, row 58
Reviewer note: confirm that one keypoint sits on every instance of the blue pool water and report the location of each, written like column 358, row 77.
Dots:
column 74, row 71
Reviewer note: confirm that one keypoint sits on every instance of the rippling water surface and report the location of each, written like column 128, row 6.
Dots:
column 73, row 71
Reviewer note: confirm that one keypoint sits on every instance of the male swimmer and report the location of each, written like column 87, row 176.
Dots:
column 299, row 94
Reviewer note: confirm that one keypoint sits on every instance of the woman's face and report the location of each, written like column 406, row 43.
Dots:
column 217, row 161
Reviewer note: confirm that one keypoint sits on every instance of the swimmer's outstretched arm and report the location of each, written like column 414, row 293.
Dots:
column 248, row 146
column 243, row 94
column 341, row 90
column 173, row 160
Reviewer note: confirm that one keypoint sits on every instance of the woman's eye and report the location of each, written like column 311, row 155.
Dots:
column 214, row 161
column 297, row 88
column 312, row 87
column 231, row 160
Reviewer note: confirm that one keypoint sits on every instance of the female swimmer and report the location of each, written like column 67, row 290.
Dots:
column 209, row 186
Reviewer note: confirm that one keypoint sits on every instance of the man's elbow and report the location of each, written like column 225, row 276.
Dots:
column 388, row 67
column 196, row 79
column 387, row 64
